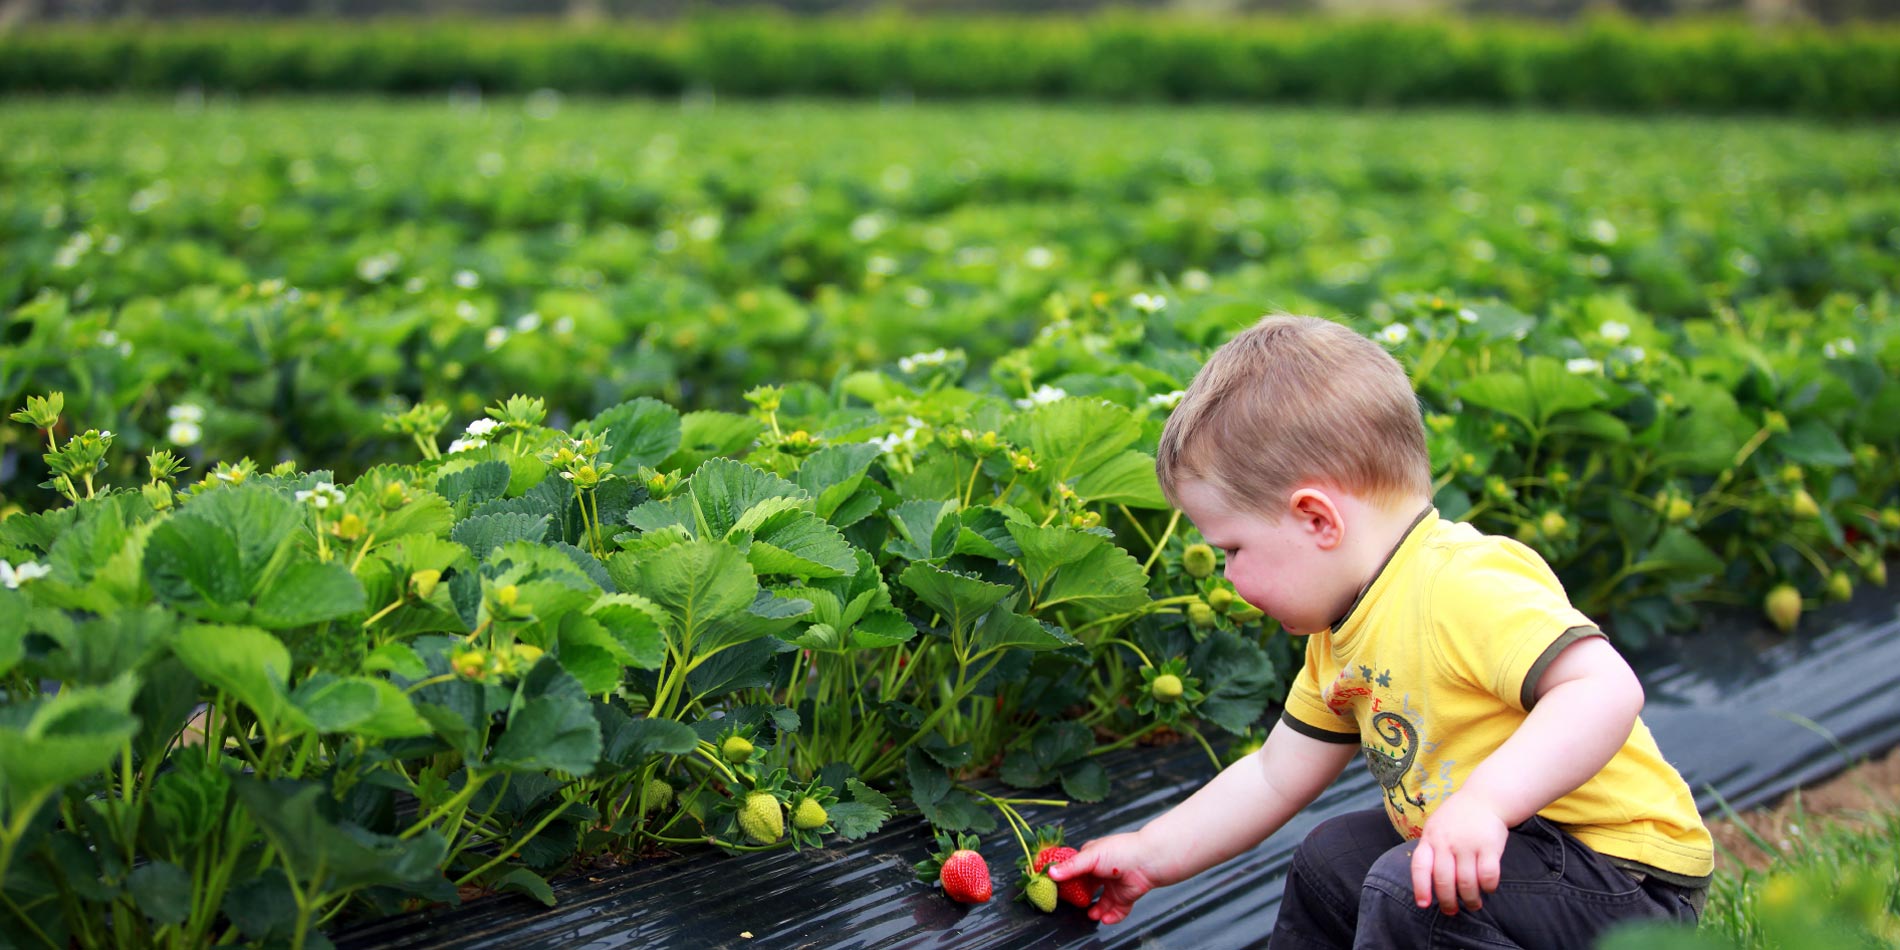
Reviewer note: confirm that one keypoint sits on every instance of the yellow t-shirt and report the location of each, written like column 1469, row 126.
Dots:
column 1436, row 665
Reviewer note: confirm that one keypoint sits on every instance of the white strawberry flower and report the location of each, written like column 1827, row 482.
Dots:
column 184, row 432
column 1584, row 366
column 1043, row 395
column 481, row 427
column 1614, row 331
column 936, row 357
column 467, row 279
column 1167, row 400
column 13, row 577
column 322, row 496
column 466, row 445
column 1835, row 349
column 1394, row 333
column 1148, row 303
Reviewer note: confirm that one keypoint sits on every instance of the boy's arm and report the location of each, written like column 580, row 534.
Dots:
column 1239, row 808
column 1587, row 703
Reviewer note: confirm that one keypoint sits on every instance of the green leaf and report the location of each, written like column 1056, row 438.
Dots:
column 1085, row 781
column 1064, row 566
column 832, row 474
column 863, row 814
column 524, row 881
column 1069, row 438
column 928, row 780
column 309, row 592
column 1507, row 393
column 336, row 704
column 959, row 598
column 1004, row 629
column 1555, row 389
column 330, row 857
column 395, row 716
column 1679, row 554
column 1127, row 479
column 916, row 523
column 641, row 431
column 483, row 533
column 398, row 658
column 196, row 567
column 706, row 434
column 48, row 743
column 628, row 742
column 800, row 544
column 475, row 485
column 1594, row 423
column 985, row 532
column 13, row 607
column 731, row 495
column 549, row 734
column 248, row 664
column 634, row 622
column 705, row 588
column 1241, row 680
column 1811, row 442
column 957, row 811
column 162, row 891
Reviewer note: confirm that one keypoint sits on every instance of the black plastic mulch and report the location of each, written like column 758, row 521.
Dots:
column 1739, row 712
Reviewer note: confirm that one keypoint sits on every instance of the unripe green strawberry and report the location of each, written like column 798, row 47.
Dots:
column 1783, row 606
column 1679, row 510
column 1553, row 524
column 1244, row 613
column 1198, row 561
column 809, row 815
column 656, row 795
column 736, row 749
column 1801, row 504
column 1201, row 615
column 1221, row 599
column 1877, row 572
column 1166, row 688
column 1840, row 586
column 1890, row 518
column 1042, row 893
column 761, row 817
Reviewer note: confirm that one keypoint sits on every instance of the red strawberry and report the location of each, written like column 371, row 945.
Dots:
column 1055, row 854
column 965, row 877
column 964, row 874
column 1050, row 850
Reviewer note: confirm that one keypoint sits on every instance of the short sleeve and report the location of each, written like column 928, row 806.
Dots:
column 1499, row 616
column 1306, row 711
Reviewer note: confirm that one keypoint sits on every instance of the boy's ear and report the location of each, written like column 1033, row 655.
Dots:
column 1318, row 517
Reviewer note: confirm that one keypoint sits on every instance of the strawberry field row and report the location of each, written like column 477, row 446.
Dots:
column 1607, row 63
column 492, row 638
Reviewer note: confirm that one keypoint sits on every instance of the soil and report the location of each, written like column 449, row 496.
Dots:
column 1846, row 799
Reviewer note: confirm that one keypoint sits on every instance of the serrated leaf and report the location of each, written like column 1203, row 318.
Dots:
column 1127, row 479
column 162, row 891
column 524, row 881
column 483, row 533
column 708, row 433
column 957, row 811
column 731, row 495
column 1085, row 781
column 916, row 523
column 641, row 431
column 634, row 622
column 628, row 742
column 1004, row 629
column 549, row 733
column 247, row 663
column 705, row 588
column 1070, row 438
column 1811, row 442
column 333, row 703
column 832, row 474
column 958, row 598
column 928, row 780
column 479, row 483
column 1241, row 680
column 74, row 733
column 309, row 592
column 395, row 716
column 800, row 544
column 1064, row 566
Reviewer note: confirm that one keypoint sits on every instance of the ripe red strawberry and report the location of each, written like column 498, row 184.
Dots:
column 1054, row 854
column 966, row 877
column 964, row 874
column 1072, row 891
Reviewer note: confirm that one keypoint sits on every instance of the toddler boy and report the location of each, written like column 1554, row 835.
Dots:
column 1525, row 804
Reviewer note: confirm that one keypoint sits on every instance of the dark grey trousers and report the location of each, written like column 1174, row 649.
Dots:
column 1350, row 886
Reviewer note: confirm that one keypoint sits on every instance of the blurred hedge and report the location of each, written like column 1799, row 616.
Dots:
column 1605, row 64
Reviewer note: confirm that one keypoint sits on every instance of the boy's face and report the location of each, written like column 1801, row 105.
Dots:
column 1280, row 565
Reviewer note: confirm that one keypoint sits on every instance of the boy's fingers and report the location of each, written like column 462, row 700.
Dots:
column 1445, row 881
column 1490, row 872
column 1422, row 874
column 1468, row 895
column 1082, row 863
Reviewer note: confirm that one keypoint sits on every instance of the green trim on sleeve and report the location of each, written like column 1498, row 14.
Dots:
column 1314, row 732
column 1527, row 694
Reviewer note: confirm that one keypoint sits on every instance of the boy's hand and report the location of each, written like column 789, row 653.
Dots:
column 1115, row 865
column 1457, row 856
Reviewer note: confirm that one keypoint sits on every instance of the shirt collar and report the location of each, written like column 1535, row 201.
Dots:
column 1410, row 532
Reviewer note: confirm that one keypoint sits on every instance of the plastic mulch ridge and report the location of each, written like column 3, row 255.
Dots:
column 1745, row 717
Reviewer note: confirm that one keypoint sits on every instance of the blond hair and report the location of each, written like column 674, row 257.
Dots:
column 1295, row 400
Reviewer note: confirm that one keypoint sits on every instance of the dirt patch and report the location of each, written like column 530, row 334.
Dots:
column 1845, row 799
